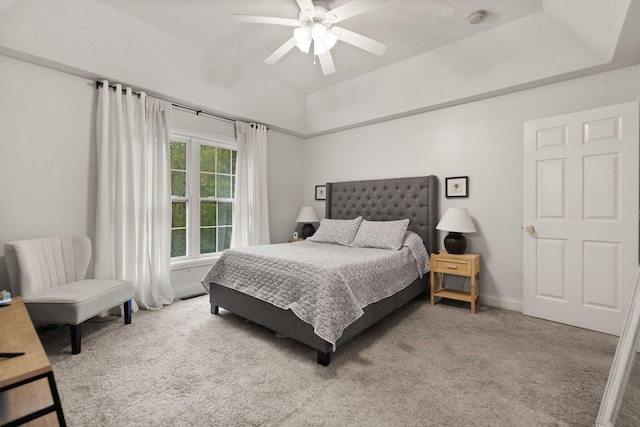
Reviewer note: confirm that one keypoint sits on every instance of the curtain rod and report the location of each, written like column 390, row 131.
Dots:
column 197, row 111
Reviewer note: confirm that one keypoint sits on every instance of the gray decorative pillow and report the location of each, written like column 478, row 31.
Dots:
column 340, row 231
column 381, row 234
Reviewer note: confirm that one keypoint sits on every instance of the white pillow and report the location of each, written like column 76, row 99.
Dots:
column 381, row 234
column 340, row 231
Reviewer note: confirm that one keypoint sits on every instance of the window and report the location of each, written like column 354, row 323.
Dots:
column 203, row 178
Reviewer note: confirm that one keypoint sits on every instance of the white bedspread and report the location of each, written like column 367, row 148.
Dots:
column 325, row 285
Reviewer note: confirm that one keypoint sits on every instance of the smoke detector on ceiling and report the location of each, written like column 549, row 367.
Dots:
column 477, row 17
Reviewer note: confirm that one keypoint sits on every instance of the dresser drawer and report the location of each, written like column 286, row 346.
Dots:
column 452, row 267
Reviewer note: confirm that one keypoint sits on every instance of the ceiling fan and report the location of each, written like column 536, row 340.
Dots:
column 315, row 24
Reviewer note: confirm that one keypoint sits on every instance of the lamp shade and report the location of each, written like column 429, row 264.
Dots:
column 307, row 215
column 456, row 220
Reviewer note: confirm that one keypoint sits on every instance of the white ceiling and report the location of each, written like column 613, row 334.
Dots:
column 193, row 51
column 407, row 27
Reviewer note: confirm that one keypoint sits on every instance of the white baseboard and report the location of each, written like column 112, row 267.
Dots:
column 188, row 290
column 501, row 302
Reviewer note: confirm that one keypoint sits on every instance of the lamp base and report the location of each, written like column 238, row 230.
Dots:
column 307, row 230
column 455, row 243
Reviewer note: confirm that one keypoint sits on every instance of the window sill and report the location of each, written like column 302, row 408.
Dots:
column 196, row 262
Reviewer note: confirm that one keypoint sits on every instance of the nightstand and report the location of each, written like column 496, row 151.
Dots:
column 296, row 240
column 467, row 265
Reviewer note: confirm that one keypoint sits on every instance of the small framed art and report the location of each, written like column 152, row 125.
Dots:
column 457, row 186
column 321, row 192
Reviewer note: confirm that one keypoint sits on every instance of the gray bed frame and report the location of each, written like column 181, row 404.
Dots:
column 415, row 198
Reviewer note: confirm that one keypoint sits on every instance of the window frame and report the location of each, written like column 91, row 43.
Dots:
column 193, row 198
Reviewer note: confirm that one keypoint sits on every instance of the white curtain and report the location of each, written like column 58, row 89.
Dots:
column 133, row 214
column 251, row 211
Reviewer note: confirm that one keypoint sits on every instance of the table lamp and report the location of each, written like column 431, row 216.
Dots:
column 456, row 221
column 307, row 215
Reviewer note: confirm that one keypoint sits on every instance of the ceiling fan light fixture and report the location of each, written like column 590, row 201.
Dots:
column 319, row 48
column 315, row 25
column 304, row 47
column 302, row 35
column 306, row 15
column 331, row 39
column 318, row 32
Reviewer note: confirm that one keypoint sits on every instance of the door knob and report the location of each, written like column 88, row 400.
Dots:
column 529, row 229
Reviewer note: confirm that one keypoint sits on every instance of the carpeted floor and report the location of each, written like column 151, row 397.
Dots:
column 422, row 366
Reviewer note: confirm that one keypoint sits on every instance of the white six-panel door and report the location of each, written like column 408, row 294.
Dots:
column 580, row 229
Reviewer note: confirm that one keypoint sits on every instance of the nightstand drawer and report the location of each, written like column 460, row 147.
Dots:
column 452, row 267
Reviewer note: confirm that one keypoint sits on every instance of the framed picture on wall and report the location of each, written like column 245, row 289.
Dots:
column 321, row 192
column 457, row 186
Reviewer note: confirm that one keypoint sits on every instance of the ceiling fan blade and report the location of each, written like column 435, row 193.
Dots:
column 326, row 62
column 353, row 8
column 266, row 20
column 360, row 41
column 281, row 51
column 306, row 5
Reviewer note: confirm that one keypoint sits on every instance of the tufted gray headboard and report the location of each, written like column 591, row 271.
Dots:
column 389, row 199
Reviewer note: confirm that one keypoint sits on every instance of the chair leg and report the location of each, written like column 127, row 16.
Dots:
column 76, row 338
column 127, row 312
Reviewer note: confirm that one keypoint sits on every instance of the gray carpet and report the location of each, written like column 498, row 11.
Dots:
column 422, row 366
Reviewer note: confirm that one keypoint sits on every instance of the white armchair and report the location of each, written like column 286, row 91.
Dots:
column 49, row 274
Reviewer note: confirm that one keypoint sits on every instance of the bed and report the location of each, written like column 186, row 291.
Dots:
column 415, row 199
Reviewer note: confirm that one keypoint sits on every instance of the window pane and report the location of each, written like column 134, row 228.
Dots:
column 207, row 158
column 178, row 242
column 178, row 183
column 208, row 214
column 224, row 238
column 224, row 186
column 224, row 161
column 207, row 240
column 178, row 214
column 234, row 156
column 233, row 187
column 225, row 213
column 214, row 181
column 178, row 152
column 207, row 185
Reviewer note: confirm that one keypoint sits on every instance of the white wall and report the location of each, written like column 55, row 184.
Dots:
column 48, row 160
column 482, row 140
column 47, row 154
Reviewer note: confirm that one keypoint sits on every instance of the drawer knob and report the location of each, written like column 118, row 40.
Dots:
column 452, row 267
